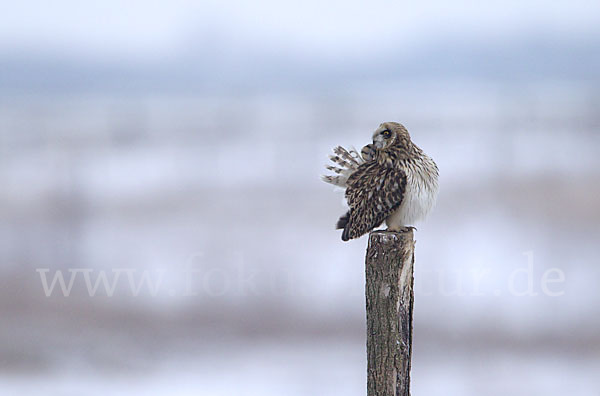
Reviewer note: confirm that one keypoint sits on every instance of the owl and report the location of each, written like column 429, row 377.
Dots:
column 391, row 180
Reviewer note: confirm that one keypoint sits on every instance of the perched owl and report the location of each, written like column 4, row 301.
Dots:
column 391, row 179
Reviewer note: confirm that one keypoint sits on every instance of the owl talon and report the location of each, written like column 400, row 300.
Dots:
column 368, row 152
column 402, row 229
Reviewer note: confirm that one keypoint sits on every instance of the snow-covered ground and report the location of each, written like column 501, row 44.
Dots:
column 320, row 368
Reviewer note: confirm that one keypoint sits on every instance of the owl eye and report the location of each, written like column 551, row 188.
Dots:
column 386, row 133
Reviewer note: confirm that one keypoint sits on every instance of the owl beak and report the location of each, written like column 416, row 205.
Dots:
column 379, row 142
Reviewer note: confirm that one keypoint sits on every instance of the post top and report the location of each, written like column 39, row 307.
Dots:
column 385, row 237
column 404, row 232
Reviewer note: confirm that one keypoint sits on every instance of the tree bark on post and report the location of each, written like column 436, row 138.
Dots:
column 389, row 294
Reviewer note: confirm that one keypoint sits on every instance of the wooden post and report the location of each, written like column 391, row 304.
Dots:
column 389, row 293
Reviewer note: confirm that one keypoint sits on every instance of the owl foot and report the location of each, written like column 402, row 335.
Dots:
column 402, row 229
column 369, row 152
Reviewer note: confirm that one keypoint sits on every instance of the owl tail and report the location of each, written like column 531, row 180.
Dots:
column 344, row 224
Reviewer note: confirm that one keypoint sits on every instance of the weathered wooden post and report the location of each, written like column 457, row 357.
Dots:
column 389, row 294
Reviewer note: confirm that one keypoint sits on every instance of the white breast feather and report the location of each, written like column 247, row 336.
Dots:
column 419, row 197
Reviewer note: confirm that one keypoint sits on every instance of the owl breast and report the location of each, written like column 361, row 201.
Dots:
column 420, row 195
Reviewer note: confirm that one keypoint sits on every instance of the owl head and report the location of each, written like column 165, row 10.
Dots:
column 391, row 134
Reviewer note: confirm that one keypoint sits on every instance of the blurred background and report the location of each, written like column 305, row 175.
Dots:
column 162, row 160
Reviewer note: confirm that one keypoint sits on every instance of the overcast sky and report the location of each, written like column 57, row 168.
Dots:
column 143, row 28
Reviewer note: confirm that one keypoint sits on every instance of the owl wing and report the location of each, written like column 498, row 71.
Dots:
column 373, row 193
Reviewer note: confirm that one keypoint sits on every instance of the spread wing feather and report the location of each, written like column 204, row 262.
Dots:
column 347, row 162
column 373, row 193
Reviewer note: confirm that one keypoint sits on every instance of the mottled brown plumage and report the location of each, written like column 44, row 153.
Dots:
column 373, row 194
